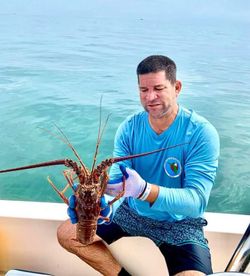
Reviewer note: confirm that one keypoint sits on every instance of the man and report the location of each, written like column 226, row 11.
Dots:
column 166, row 193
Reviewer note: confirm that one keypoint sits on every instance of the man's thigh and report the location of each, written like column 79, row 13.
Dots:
column 189, row 257
column 178, row 258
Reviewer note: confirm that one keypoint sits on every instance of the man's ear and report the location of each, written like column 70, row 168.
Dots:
column 178, row 86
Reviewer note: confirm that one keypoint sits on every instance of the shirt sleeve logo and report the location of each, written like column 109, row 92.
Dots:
column 172, row 167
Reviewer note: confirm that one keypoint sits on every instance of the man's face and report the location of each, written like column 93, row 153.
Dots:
column 158, row 95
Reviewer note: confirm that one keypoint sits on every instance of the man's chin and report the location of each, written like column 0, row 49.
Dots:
column 156, row 114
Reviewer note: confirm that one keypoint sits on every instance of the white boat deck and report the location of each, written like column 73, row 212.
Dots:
column 28, row 241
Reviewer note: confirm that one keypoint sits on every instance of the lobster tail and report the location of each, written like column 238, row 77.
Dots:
column 85, row 231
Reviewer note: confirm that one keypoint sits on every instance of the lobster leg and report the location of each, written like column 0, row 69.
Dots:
column 68, row 174
column 60, row 193
column 121, row 194
column 104, row 181
column 104, row 218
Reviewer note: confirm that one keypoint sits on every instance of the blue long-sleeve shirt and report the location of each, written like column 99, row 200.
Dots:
column 185, row 174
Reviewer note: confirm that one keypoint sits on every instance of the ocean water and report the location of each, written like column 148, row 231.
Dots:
column 57, row 58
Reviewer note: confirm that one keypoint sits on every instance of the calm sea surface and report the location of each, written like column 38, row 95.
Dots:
column 58, row 57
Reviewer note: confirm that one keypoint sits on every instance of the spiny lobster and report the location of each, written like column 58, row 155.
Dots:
column 92, row 185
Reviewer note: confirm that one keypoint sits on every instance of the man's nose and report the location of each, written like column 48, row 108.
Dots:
column 151, row 95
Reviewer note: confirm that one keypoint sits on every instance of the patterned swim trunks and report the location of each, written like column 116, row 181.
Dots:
column 176, row 233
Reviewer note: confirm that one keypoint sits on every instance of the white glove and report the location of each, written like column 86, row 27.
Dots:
column 134, row 186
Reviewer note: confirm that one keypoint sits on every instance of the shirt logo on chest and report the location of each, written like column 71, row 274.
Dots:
column 172, row 167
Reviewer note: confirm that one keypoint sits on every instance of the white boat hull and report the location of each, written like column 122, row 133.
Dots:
column 28, row 241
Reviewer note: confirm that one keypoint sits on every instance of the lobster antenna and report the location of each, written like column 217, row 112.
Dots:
column 65, row 140
column 70, row 145
column 100, row 134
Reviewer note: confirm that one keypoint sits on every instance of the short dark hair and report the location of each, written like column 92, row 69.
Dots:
column 156, row 63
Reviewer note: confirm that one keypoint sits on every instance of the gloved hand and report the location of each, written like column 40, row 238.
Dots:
column 105, row 214
column 135, row 186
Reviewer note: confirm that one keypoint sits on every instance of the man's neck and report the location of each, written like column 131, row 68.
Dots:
column 161, row 124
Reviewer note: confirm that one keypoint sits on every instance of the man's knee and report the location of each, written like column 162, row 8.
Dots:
column 66, row 233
